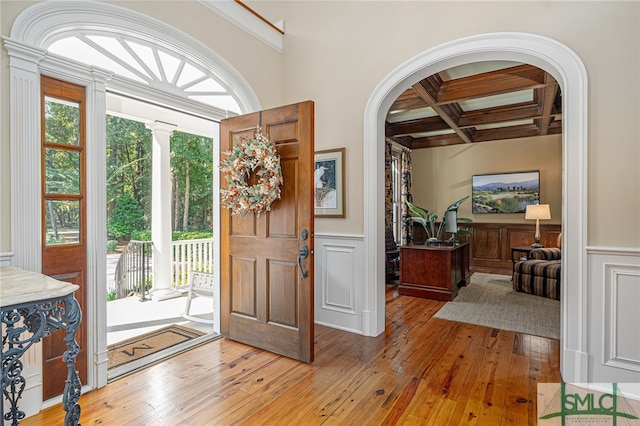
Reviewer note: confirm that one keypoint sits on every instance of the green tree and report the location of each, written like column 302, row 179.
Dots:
column 62, row 166
column 129, row 164
column 192, row 177
column 129, row 175
column 127, row 216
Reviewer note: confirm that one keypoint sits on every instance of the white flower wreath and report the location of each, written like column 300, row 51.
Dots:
column 251, row 156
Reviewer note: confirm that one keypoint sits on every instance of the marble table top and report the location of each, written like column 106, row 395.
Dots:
column 18, row 286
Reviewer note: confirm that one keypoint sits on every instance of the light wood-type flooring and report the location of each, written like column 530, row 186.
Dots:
column 421, row 370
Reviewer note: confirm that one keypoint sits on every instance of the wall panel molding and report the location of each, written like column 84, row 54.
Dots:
column 621, row 316
column 614, row 295
column 339, row 282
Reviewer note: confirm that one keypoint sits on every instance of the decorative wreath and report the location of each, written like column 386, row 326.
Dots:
column 247, row 157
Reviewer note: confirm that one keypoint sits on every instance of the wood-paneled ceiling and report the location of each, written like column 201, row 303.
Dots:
column 479, row 102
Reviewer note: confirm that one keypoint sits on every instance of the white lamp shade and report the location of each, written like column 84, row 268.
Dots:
column 537, row 211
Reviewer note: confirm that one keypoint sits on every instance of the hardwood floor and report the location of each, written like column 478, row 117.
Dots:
column 422, row 370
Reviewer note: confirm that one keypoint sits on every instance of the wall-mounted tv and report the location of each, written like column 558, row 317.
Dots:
column 504, row 192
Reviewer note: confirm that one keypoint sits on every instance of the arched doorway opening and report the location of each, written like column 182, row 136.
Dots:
column 570, row 73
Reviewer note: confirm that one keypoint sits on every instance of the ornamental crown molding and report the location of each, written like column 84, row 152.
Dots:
column 238, row 15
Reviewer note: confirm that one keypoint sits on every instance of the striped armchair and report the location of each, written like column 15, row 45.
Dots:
column 540, row 273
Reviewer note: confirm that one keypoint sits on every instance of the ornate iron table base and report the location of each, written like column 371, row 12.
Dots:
column 39, row 319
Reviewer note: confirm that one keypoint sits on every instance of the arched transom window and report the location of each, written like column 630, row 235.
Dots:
column 149, row 65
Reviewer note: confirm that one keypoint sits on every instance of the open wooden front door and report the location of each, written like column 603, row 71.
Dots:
column 265, row 300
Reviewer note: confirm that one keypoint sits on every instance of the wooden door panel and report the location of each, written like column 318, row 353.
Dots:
column 243, row 286
column 245, row 226
column 282, row 340
column 520, row 238
column 283, row 294
column 55, row 347
column 487, row 243
column 283, row 222
column 264, row 300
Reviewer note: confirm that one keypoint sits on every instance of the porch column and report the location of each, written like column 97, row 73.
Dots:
column 161, row 211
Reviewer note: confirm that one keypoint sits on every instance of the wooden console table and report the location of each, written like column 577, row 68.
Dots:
column 433, row 271
column 33, row 306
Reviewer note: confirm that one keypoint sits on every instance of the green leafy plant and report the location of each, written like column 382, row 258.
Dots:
column 112, row 245
column 111, row 295
column 428, row 220
column 127, row 216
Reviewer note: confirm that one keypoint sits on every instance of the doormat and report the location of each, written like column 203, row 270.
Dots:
column 144, row 345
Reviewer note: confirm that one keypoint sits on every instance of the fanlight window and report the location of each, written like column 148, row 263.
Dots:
column 148, row 65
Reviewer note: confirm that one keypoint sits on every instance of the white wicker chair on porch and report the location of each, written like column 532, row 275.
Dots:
column 200, row 284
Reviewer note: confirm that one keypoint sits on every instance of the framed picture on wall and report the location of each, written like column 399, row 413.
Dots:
column 329, row 199
column 504, row 192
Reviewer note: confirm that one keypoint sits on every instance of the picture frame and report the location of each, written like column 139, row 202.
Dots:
column 329, row 184
column 504, row 192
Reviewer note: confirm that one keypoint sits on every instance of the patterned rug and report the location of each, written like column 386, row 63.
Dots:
column 144, row 345
column 489, row 300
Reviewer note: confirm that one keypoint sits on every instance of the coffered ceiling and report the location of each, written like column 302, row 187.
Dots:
column 479, row 102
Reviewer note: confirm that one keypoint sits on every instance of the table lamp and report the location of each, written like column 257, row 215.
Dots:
column 537, row 212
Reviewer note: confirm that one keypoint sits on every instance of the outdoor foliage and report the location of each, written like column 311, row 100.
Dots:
column 62, row 169
column 190, row 235
column 129, row 149
column 126, row 217
column 145, row 235
column 192, row 179
column 128, row 172
column 112, row 245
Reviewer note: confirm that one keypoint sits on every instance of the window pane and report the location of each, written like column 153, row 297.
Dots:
column 63, row 222
column 61, row 121
column 62, row 171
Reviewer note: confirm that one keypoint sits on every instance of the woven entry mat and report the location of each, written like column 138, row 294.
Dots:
column 149, row 343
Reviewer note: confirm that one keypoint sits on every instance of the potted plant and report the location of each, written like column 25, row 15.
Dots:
column 428, row 221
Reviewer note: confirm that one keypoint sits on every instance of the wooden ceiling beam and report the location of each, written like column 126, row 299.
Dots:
column 512, row 132
column 403, row 140
column 496, row 115
column 444, row 113
column 429, row 124
column 547, row 99
column 435, row 141
column 408, row 100
column 521, row 77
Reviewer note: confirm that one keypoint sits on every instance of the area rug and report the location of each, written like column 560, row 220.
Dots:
column 144, row 345
column 489, row 300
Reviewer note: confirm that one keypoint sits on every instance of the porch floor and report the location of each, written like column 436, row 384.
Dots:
column 130, row 317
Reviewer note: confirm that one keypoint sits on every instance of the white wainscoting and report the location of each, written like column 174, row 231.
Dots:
column 614, row 314
column 339, row 282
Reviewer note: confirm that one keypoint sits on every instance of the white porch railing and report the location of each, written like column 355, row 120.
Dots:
column 190, row 255
column 134, row 270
